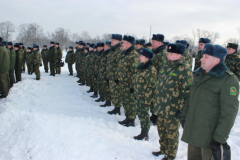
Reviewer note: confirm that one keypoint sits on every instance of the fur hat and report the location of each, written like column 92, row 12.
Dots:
column 176, row 48
column 20, row 43
column 158, row 37
column 71, row 47
column 108, row 43
column 100, row 44
column 57, row 43
column 44, row 45
column 95, row 46
column 1, row 39
column 147, row 53
column 36, row 46
column 130, row 39
column 87, row 48
column 232, row 45
column 184, row 42
column 76, row 42
column 9, row 43
column 117, row 37
column 51, row 42
column 204, row 40
column 88, row 43
column 215, row 51
column 29, row 48
column 91, row 45
column 16, row 45
column 148, row 44
column 140, row 41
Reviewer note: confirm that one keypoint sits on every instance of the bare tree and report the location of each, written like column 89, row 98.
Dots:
column 106, row 36
column 6, row 30
column 213, row 36
column 85, row 36
column 62, row 36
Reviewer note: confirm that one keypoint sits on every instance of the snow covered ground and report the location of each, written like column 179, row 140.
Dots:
column 55, row 119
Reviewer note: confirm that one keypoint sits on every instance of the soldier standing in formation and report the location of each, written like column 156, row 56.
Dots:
column 36, row 61
column 24, row 51
column 12, row 57
column 173, row 87
column 52, row 58
column 139, row 44
column 70, row 58
column 188, row 57
column 75, row 60
column 28, row 59
column 44, row 58
column 19, row 63
column 149, row 45
column 80, row 60
column 92, row 67
column 59, row 57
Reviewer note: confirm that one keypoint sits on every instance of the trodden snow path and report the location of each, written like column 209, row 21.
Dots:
column 55, row 119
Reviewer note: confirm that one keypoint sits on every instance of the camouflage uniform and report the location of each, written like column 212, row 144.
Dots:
column 92, row 67
column 197, row 60
column 86, row 65
column 104, row 84
column 70, row 58
column 188, row 58
column 99, row 79
column 77, row 60
column 52, row 58
column 59, row 58
column 44, row 58
column 12, row 57
column 127, row 68
column 232, row 61
column 96, row 71
column 28, row 58
column 111, row 70
column 81, row 60
column 173, row 87
column 144, row 88
column 37, row 60
column 24, row 51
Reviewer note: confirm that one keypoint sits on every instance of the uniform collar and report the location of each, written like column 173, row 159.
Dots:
column 159, row 48
column 115, row 47
column 128, row 51
column 143, row 66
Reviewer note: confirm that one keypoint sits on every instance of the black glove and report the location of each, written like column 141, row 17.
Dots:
column 217, row 151
column 116, row 81
column 182, row 123
column 131, row 90
column 179, row 115
column 107, row 80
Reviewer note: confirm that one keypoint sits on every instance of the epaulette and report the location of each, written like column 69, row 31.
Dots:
column 229, row 72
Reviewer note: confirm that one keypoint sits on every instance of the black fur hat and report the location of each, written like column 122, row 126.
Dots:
column 130, row 39
column 108, row 43
column 29, row 48
column 232, row 45
column 57, row 43
column 148, row 44
column 100, row 44
column 71, row 47
column 9, row 43
column 51, row 42
column 204, row 40
column 44, row 45
column 176, row 48
column 117, row 37
column 87, row 48
column 158, row 37
column 16, row 45
column 147, row 53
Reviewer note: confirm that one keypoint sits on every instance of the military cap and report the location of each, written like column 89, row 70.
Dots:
column 44, row 45
column 147, row 53
column 100, row 44
column 204, row 40
column 117, row 37
column 51, row 42
column 16, row 45
column 71, row 47
column 88, row 43
column 215, row 51
column 142, row 41
column 87, row 48
column 20, row 43
column 137, row 41
column 80, row 42
column 36, row 46
column 130, row 39
column 108, row 42
column 166, row 43
column 29, row 48
column 4, row 43
column 158, row 37
column 148, row 44
column 57, row 43
column 95, row 46
column 232, row 45
column 91, row 45
column 9, row 43
column 184, row 42
column 1, row 39
column 83, row 44
column 176, row 48
column 76, row 42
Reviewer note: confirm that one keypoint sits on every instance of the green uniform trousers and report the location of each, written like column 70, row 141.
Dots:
column 12, row 77
column 106, row 91
column 128, row 100
column 143, row 114
column 115, row 91
column 169, row 135
column 70, row 68
column 95, row 86
column 58, row 69
column 100, row 87
column 52, row 68
column 37, row 71
column 23, row 67
column 4, row 83
column 30, row 67
column 45, row 63
column 196, row 153
column 18, row 74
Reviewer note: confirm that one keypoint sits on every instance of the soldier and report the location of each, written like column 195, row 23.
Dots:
column 173, row 87
column 36, row 61
column 160, row 58
column 149, row 45
column 104, row 87
column 70, row 58
column 97, row 83
column 91, row 69
column 12, row 57
column 75, row 60
column 4, row 70
column 144, row 88
column 88, row 44
column 127, row 68
column 28, row 58
column 19, row 63
column 44, row 58
column 88, row 73
column 165, row 43
column 201, row 44
column 59, row 57
column 139, row 44
column 24, row 51
column 112, row 65
column 232, row 60
column 86, row 50
column 211, row 108
column 52, row 58
column 188, row 57
column 81, row 59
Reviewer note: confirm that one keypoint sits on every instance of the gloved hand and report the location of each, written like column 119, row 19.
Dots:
column 131, row 90
column 182, row 123
column 179, row 115
column 116, row 81
column 219, row 149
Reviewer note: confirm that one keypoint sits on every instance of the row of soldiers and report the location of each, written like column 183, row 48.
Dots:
column 126, row 72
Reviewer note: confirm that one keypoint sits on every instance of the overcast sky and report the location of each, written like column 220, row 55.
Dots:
column 171, row 17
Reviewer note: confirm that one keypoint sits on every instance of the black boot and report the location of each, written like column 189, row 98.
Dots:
column 90, row 90
column 153, row 119
column 107, row 103
column 95, row 95
column 142, row 136
column 79, row 81
column 82, row 84
column 130, row 122
column 116, row 110
column 100, row 99
column 124, row 121
column 157, row 153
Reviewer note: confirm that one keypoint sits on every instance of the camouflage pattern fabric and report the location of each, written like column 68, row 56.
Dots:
column 92, row 67
column 197, row 60
column 44, row 58
column 70, row 59
column 99, row 78
column 37, row 61
column 233, row 63
column 28, row 58
column 115, row 92
column 59, row 57
column 86, row 64
column 188, row 58
column 160, row 57
column 81, row 60
column 96, row 70
column 78, row 60
column 24, row 51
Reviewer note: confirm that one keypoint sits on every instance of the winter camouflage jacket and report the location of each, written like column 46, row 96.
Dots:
column 44, row 54
column 197, row 60
column 188, row 58
column 97, row 63
column 59, row 54
column 12, row 57
column 28, row 57
column 92, row 63
column 70, row 57
column 173, row 87
column 127, row 67
column 232, row 61
column 103, row 64
column 211, row 107
column 145, row 82
column 113, row 61
column 78, row 57
column 24, row 51
column 160, row 57
column 36, row 58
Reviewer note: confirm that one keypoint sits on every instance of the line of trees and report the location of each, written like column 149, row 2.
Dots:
column 29, row 33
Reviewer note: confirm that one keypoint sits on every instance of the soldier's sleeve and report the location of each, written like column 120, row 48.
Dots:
column 133, row 67
column 229, row 105
column 151, row 78
column 185, row 88
column 238, row 68
column 118, row 58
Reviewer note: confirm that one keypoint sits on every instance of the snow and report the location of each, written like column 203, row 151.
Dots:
column 56, row 119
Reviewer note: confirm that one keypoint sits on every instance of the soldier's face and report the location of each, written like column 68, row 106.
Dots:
column 208, row 62
column 85, row 51
column 99, row 49
column 231, row 50
column 138, row 46
column 51, row 44
column 201, row 46
column 106, row 47
column 80, row 46
column 76, row 45
column 114, row 42
column 9, row 46
column 156, row 44
column 44, row 47
column 143, row 59
column 34, row 49
column 90, row 48
column 20, row 46
column 126, row 45
column 94, row 49
column 29, row 50
column 56, row 45
column 173, row 56
column 70, row 49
